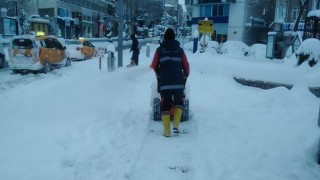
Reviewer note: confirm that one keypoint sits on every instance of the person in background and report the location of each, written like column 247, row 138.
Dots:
column 171, row 67
column 135, row 51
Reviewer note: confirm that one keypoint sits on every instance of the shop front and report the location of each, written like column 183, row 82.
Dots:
column 65, row 27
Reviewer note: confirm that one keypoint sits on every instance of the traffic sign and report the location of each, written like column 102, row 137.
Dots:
column 101, row 52
column 205, row 26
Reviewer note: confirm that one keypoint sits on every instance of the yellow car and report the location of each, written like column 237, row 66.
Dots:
column 37, row 54
column 81, row 49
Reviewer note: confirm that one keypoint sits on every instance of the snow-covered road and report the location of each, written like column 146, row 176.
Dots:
column 83, row 123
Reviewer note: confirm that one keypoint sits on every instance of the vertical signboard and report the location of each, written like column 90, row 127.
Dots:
column 9, row 27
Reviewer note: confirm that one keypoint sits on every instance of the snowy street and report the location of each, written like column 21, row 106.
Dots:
column 82, row 123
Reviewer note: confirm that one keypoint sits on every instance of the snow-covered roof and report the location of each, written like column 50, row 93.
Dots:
column 272, row 33
column 314, row 13
column 64, row 18
column 168, row 5
column 39, row 20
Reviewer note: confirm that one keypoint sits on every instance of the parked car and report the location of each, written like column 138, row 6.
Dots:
column 81, row 49
column 37, row 54
column 2, row 56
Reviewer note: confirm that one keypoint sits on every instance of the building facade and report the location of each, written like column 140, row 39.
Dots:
column 245, row 20
column 74, row 18
column 228, row 17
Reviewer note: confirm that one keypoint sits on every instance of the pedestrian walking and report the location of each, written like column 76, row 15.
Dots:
column 135, row 51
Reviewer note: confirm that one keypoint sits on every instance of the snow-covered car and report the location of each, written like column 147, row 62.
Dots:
column 37, row 54
column 80, row 49
column 155, row 104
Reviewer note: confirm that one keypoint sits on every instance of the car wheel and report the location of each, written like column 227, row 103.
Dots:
column 46, row 67
column 185, row 114
column 156, row 110
column 68, row 63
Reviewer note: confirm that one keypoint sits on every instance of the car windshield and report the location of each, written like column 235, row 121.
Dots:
column 22, row 43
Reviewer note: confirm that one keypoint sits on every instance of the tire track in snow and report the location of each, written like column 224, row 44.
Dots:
column 170, row 157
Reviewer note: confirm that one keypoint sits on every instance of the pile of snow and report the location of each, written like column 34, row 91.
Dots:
column 309, row 50
column 234, row 48
column 257, row 50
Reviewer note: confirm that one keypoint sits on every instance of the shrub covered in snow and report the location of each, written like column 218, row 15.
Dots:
column 234, row 48
column 215, row 45
column 309, row 50
column 257, row 50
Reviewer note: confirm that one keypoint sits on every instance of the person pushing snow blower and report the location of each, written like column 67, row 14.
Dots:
column 171, row 66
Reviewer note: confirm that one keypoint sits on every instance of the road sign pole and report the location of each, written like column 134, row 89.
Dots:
column 120, row 34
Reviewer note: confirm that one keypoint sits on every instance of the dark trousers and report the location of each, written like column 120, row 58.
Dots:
column 169, row 98
column 135, row 56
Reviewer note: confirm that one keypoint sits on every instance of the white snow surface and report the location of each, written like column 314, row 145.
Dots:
column 83, row 123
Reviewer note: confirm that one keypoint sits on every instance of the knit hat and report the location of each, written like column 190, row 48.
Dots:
column 169, row 34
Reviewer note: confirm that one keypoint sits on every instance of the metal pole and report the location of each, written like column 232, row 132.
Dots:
column 120, row 34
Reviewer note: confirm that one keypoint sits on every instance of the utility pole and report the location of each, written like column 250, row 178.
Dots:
column 120, row 34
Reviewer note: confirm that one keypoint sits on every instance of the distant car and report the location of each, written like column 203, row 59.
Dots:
column 37, row 54
column 81, row 49
column 2, row 56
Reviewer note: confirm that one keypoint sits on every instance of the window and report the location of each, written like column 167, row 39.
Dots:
column 220, row 10
column 22, row 43
column 294, row 14
column 48, row 43
column 226, row 10
column 215, row 10
column 221, row 32
column 57, row 44
column 205, row 10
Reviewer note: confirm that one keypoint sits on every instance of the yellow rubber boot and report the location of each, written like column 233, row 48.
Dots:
column 166, row 125
column 176, row 119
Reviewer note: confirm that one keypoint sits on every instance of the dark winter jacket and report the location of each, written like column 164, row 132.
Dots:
column 170, row 65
